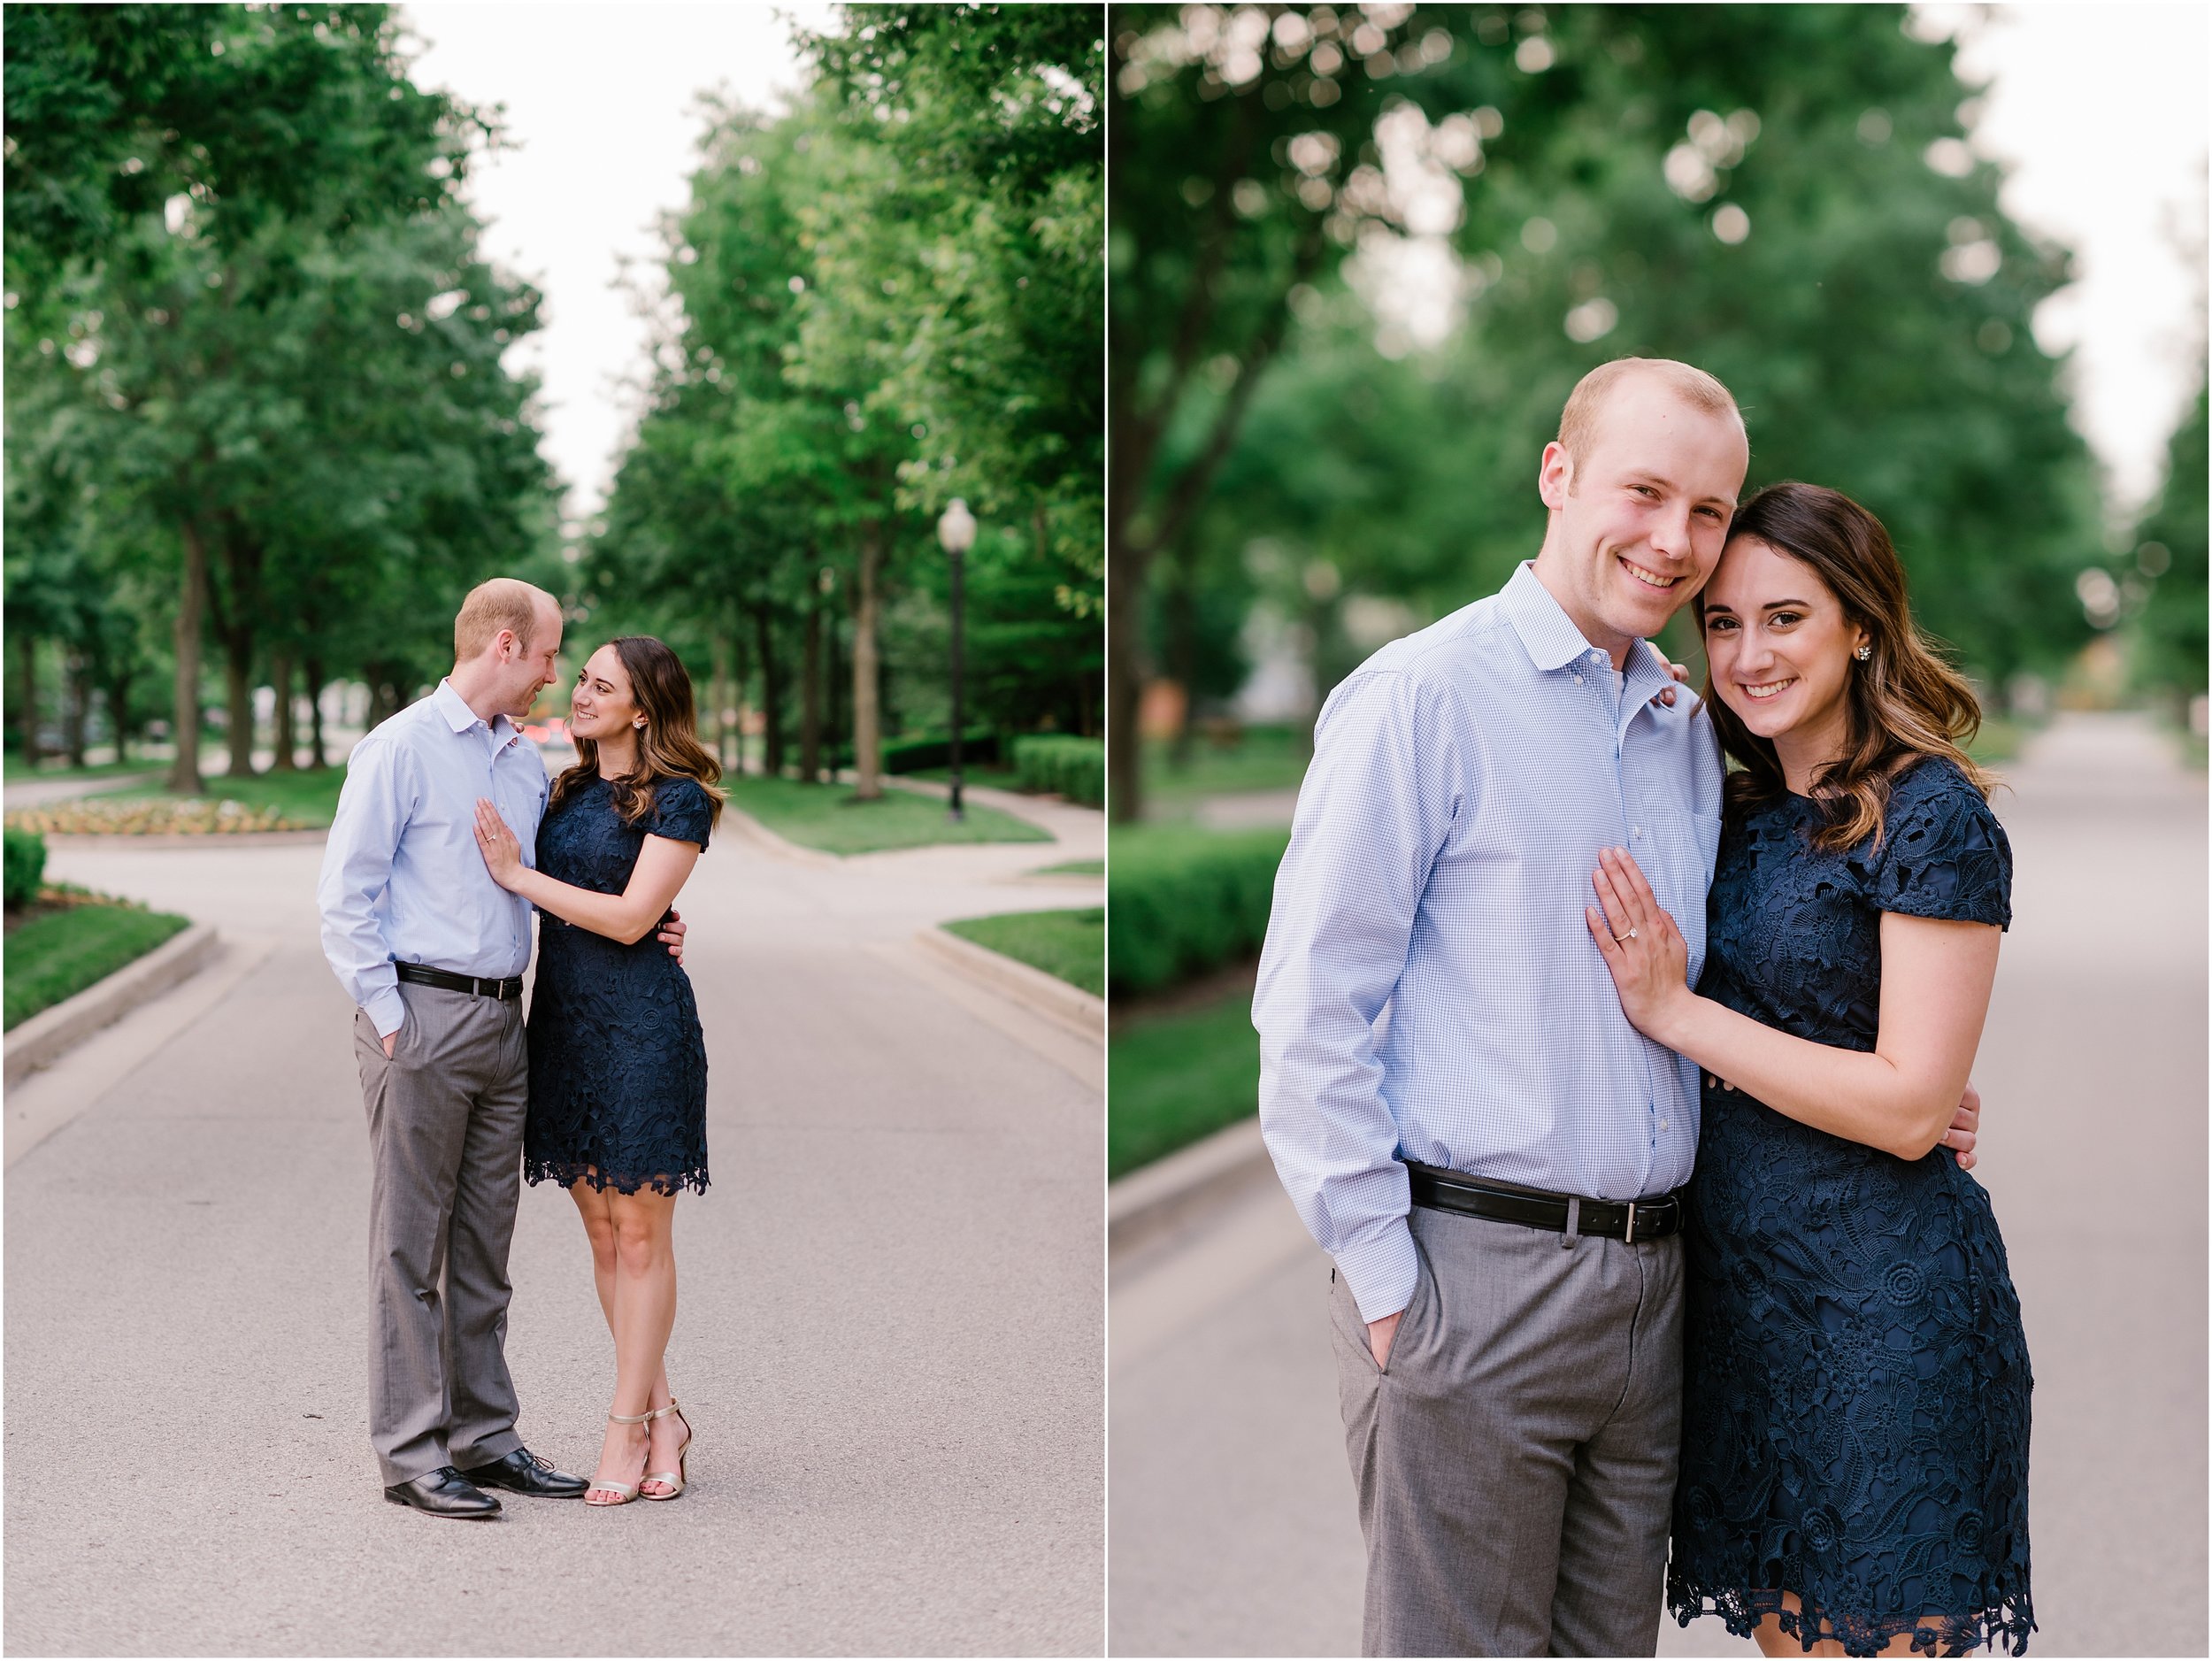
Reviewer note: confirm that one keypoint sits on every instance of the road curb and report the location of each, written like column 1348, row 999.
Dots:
column 1159, row 1197
column 51, row 1033
column 1042, row 994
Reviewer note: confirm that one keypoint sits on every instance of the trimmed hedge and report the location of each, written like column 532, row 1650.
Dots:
column 1180, row 901
column 1056, row 764
column 979, row 746
column 25, row 865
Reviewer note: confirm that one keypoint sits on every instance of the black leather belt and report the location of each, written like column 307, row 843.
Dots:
column 1630, row 1220
column 422, row 974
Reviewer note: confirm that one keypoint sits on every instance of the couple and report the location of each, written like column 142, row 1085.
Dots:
column 447, row 833
column 1483, row 1070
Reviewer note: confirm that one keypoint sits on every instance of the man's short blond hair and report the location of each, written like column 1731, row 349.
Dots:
column 502, row 602
column 1578, row 421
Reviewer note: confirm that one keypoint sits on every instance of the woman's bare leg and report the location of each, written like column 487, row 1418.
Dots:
column 1772, row 1641
column 591, row 1205
column 643, row 1312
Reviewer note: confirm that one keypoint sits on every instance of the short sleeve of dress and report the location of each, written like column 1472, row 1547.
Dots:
column 681, row 812
column 1943, row 854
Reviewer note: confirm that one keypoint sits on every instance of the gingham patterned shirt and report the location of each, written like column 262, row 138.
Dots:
column 1429, row 989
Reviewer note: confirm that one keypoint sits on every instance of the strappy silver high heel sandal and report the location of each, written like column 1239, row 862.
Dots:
column 675, row 1478
column 624, row 1493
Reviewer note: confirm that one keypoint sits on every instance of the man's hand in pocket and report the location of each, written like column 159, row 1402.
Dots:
column 1380, row 1333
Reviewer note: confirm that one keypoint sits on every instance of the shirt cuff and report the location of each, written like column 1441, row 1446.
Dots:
column 387, row 1011
column 1383, row 1271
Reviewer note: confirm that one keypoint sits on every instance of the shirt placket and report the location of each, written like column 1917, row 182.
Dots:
column 1618, row 712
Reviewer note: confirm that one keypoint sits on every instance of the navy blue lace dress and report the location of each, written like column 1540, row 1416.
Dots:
column 617, row 1064
column 1856, row 1381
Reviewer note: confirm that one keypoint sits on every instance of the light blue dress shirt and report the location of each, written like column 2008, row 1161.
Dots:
column 403, row 880
column 1462, row 781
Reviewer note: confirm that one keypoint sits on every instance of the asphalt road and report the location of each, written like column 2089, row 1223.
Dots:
column 1231, row 1528
column 889, row 1339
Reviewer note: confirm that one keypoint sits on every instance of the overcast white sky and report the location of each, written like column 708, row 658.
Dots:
column 603, row 123
column 2100, row 108
column 2101, row 111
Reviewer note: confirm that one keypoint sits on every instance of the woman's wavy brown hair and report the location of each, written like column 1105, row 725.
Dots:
column 1903, row 702
column 669, row 746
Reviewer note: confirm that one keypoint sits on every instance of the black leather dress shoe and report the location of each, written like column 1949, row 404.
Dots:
column 444, row 1491
column 524, row 1472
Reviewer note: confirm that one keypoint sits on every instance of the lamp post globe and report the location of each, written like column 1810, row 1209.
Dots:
column 956, row 534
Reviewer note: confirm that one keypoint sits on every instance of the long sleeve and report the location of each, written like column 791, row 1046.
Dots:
column 372, row 812
column 1378, row 804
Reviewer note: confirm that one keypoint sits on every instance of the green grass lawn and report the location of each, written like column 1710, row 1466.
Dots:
column 20, row 771
column 1172, row 1079
column 1072, row 868
column 1068, row 944
column 52, row 955
column 307, row 797
column 827, row 817
column 1999, row 740
column 1262, row 758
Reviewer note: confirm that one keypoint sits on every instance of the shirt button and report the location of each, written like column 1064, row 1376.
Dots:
column 1577, row 677
column 1662, row 1124
column 1636, row 831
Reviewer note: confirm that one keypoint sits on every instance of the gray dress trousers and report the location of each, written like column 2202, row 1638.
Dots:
column 1516, row 1458
column 445, row 1142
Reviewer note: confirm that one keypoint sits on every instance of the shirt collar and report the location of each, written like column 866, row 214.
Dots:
column 461, row 718
column 1550, row 635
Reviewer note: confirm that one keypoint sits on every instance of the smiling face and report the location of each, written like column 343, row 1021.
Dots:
column 603, row 705
column 1780, row 646
column 1638, row 520
column 527, row 667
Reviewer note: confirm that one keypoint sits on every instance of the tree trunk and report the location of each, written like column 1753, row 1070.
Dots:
column 810, row 690
column 1125, row 677
column 1182, row 649
column 76, row 693
column 280, row 673
column 770, row 692
column 28, row 659
column 867, row 735
column 740, row 673
column 314, row 666
column 184, row 772
column 119, row 695
column 238, row 699
column 719, row 689
column 836, row 688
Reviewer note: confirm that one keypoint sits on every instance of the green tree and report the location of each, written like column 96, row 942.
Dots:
column 2170, row 560
column 249, row 257
column 1780, row 194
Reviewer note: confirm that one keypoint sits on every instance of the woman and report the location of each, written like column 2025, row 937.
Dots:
column 617, row 1066
column 1854, row 1463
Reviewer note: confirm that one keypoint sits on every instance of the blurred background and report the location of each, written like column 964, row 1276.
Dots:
column 1359, row 257
column 1951, row 261
column 700, row 318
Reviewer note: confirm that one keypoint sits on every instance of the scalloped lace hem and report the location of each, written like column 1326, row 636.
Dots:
column 568, row 1173
column 2009, row 1620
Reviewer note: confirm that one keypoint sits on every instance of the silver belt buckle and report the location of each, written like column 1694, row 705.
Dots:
column 1629, row 1238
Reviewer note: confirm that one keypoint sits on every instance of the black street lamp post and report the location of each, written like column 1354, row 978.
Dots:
column 955, row 531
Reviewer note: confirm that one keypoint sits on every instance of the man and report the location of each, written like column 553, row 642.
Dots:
column 432, row 951
column 1452, row 1096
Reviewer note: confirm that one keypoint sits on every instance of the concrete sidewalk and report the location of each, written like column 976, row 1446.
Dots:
column 1232, row 1523
column 889, row 1341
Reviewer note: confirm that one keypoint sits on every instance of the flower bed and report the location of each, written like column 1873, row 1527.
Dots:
column 151, row 817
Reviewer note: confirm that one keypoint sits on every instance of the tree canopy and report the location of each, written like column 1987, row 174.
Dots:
column 1359, row 257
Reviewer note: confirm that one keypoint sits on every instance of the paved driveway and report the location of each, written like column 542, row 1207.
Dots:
column 1232, row 1526
column 890, row 1337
